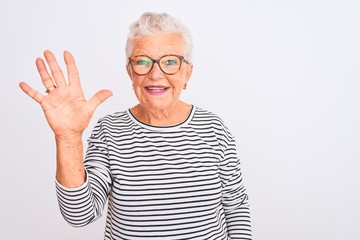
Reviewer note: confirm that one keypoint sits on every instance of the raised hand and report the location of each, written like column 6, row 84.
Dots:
column 65, row 107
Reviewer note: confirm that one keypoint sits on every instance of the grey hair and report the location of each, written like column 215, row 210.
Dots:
column 154, row 23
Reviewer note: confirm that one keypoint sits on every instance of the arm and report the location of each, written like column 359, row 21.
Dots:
column 84, row 204
column 67, row 112
column 70, row 170
column 234, row 196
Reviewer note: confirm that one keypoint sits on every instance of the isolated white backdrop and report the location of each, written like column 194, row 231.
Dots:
column 283, row 75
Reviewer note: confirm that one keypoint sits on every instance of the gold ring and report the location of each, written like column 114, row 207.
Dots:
column 50, row 89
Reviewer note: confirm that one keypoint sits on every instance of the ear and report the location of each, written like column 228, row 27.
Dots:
column 189, row 71
column 129, row 71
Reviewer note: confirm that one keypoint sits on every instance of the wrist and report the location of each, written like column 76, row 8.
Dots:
column 68, row 137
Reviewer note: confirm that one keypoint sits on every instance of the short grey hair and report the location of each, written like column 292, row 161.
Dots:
column 151, row 23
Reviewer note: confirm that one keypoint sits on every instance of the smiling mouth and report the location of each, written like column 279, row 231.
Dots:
column 156, row 89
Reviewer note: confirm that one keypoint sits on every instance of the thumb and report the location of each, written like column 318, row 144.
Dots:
column 99, row 98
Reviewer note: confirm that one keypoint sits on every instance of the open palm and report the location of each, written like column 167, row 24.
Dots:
column 65, row 107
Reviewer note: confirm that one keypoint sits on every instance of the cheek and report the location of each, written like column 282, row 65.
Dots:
column 183, row 78
column 137, row 80
column 177, row 82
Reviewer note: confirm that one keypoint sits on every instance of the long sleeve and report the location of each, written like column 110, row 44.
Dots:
column 178, row 182
column 83, row 205
column 234, row 196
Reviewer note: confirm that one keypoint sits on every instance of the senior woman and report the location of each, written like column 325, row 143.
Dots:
column 168, row 169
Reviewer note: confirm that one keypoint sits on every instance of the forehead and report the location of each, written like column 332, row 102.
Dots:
column 158, row 45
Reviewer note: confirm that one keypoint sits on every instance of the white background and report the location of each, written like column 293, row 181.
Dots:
column 283, row 75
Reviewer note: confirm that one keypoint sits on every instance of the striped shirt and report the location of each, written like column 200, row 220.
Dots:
column 176, row 182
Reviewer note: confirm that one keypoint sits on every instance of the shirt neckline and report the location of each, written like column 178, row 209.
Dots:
column 162, row 128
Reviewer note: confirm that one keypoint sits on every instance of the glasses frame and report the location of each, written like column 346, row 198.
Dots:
column 153, row 61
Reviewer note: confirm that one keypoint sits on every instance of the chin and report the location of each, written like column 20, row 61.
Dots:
column 158, row 105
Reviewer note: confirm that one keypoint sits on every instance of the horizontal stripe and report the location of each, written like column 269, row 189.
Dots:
column 177, row 182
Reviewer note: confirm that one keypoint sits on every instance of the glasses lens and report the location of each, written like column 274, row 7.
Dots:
column 170, row 64
column 141, row 64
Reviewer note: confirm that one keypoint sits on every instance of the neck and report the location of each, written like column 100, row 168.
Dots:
column 162, row 117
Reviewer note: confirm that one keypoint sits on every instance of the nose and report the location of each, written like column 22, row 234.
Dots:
column 156, row 72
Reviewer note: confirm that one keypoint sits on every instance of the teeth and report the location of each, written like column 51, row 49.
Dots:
column 156, row 89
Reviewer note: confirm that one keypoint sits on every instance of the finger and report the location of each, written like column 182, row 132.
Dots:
column 31, row 92
column 55, row 69
column 44, row 74
column 99, row 98
column 73, row 73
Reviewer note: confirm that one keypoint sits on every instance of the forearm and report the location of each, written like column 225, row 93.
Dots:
column 84, row 203
column 77, row 204
column 70, row 170
column 239, row 223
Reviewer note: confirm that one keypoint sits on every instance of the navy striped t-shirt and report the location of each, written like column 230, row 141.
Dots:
column 176, row 182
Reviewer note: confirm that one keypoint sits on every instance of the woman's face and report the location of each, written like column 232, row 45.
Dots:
column 156, row 90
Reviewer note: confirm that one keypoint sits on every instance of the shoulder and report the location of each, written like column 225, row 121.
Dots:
column 114, row 116
column 111, row 124
column 114, row 119
column 212, row 120
column 207, row 117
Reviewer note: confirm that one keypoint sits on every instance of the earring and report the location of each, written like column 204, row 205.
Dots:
column 185, row 86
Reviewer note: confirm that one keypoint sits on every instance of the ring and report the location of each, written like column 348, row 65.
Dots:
column 50, row 89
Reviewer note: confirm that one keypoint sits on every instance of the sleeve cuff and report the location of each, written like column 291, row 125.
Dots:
column 76, row 190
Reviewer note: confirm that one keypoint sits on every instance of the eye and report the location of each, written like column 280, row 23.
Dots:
column 170, row 62
column 142, row 62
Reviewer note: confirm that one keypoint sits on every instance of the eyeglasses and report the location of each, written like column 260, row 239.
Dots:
column 169, row 64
